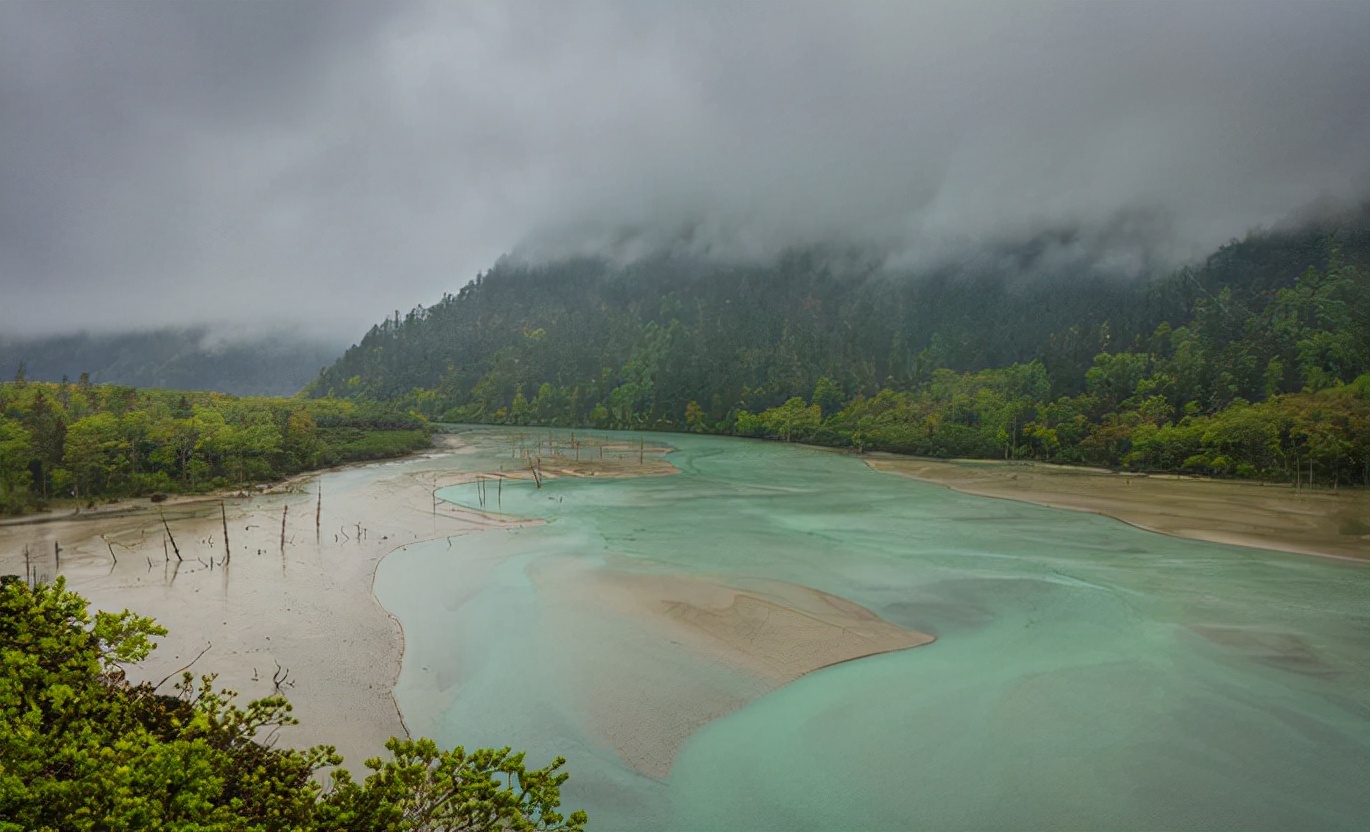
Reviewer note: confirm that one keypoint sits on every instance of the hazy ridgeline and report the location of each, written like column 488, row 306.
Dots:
column 1246, row 364
column 175, row 359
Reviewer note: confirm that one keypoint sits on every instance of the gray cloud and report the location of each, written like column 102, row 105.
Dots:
column 320, row 164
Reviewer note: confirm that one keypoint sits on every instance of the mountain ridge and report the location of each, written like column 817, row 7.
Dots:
column 191, row 358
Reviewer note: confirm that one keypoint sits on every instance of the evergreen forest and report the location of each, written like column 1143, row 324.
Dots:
column 1251, row 363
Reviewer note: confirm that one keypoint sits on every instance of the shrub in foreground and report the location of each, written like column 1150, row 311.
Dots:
column 82, row 748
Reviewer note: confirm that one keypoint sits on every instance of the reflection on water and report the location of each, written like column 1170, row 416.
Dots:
column 1086, row 675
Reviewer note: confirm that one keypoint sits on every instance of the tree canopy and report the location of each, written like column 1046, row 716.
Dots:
column 89, row 441
column 1004, row 356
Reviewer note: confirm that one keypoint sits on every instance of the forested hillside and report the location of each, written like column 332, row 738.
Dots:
column 175, row 359
column 88, row 441
column 1245, row 364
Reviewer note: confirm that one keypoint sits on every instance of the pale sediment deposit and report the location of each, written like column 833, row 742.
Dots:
column 690, row 649
column 1261, row 515
column 289, row 608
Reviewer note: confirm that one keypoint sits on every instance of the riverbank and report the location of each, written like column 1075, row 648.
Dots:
column 290, row 601
column 1259, row 515
column 286, row 608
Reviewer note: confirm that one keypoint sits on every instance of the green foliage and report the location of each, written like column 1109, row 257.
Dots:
column 423, row 787
column 83, row 749
column 15, row 442
column 1213, row 369
column 828, row 396
column 93, row 441
column 792, row 421
column 350, row 444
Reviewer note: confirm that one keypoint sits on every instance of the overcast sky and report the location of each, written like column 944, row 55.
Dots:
column 321, row 164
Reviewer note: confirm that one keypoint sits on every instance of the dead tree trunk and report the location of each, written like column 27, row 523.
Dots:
column 228, row 550
column 170, row 536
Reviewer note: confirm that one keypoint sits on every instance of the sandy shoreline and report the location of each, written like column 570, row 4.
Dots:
column 1265, row 516
column 304, row 612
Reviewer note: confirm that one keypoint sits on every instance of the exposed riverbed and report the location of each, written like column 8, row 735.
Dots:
column 1086, row 674
column 663, row 633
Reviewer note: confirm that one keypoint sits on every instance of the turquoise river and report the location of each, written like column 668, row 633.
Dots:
column 1086, row 674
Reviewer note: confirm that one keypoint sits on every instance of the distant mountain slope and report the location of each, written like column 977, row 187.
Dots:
column 182, row 359
column 651, row 337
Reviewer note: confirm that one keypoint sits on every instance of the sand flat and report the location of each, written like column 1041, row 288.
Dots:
column 302, row 613
column 1260, row 515
column 689, row 649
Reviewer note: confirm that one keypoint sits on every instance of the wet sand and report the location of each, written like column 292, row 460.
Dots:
column 1264, row 516
column 720, row 644
column 301, row 613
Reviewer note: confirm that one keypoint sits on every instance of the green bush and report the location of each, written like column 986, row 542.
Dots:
column 81, row 748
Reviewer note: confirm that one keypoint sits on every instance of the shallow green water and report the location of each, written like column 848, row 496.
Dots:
column 1086, row 674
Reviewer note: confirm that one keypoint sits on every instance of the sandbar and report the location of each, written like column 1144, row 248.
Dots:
column 1259, row 515
column 688, row 649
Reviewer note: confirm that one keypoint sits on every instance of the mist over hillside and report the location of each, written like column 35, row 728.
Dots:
column 772, row 328
column 1251, row 362
column 317, row 165
column 183, row 359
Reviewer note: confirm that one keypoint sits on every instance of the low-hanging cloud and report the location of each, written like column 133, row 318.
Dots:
column 318, row 165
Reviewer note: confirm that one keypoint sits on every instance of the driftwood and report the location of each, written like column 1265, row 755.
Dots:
column 185, row 668
column 281, row 678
